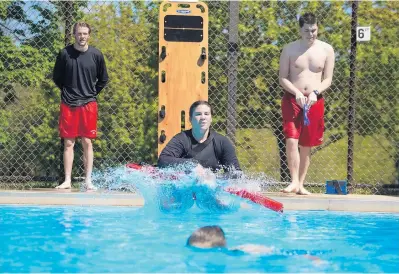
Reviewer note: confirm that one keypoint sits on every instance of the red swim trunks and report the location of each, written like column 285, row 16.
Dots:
column 78, row 121
column 293, row 126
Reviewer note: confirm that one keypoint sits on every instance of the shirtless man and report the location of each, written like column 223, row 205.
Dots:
column 306, row 71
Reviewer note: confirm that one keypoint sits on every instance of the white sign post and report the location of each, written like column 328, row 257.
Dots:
column 363, row 34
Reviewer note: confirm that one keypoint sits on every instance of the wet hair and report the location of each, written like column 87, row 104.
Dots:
column 307, row 18
column 207, row 237
column 81, row 25
column 196, row 104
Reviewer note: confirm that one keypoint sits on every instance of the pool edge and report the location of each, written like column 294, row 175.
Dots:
column 358, row 203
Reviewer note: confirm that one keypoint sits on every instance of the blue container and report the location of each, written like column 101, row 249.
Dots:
column 338, row 187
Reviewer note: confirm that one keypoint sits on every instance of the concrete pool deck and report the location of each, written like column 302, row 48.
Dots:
column 360, row 203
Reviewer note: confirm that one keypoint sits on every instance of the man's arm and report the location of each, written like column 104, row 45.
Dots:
column 102, row 74
column 284, row 73
column 58, row 71
column 328, row 70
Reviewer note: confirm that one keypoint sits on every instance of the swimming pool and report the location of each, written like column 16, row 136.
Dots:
column 125, row 239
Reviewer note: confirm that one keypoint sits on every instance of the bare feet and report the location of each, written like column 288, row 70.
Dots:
column 89, row 186
column 292, row 188
column 64, row 185
column 303, row 191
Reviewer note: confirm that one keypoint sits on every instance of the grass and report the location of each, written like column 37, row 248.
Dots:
column 258, row 152
column 30, row 185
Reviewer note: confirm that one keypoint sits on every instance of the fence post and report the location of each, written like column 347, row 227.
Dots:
column 352, row 93
column 232, row 70
column 67, row 9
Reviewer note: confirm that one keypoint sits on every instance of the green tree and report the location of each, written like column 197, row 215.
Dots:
column 377, row 111
column 30, row 99
column 125, row 33
column 264, row 28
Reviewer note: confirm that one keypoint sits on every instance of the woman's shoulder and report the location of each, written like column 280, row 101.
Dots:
column 182, row 136
column 184, row 133
column 220, row 137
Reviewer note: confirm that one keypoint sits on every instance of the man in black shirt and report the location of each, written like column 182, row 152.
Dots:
column 81, row 74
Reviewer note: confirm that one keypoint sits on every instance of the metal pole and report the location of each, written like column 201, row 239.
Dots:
column 67, row 9
column 232, row 70
column 352, row 93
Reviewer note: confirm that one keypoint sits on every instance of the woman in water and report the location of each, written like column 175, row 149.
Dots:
column 205, row 152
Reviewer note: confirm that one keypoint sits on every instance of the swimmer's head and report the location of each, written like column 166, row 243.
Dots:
column 207, row 237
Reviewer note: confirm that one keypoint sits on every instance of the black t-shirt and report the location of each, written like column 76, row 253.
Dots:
column 217, row 152
column 80, row 75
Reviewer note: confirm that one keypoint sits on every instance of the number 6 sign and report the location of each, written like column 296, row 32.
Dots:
column 363, row 34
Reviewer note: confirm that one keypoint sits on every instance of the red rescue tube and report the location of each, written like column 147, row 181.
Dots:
column 257, row 198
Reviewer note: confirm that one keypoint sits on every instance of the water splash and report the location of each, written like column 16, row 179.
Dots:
column 176, row 189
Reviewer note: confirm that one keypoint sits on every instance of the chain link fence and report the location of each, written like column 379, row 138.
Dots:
column 245, row 42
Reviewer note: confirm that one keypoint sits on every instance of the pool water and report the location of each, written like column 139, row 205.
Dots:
column 126, row 239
